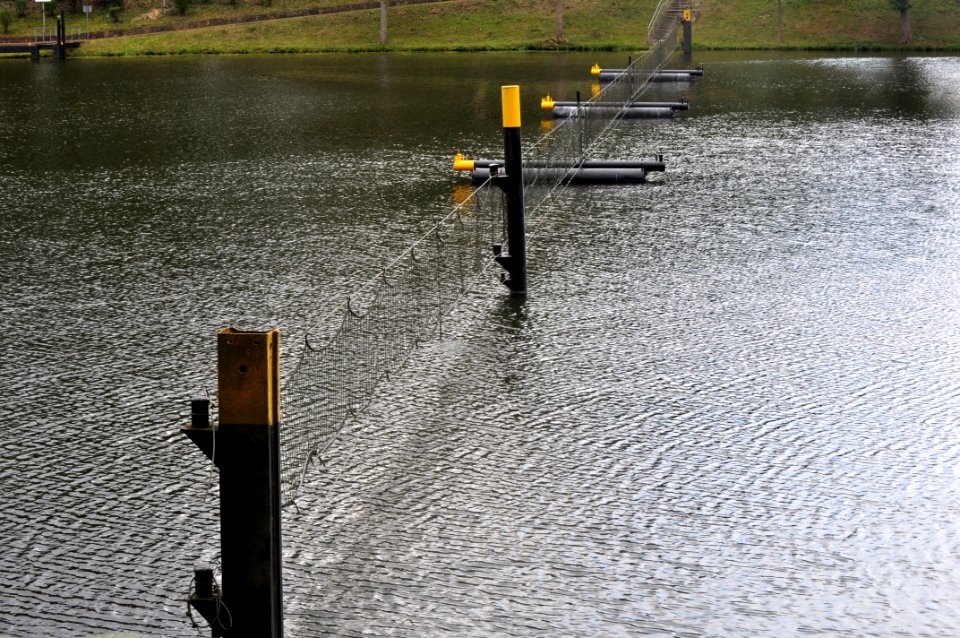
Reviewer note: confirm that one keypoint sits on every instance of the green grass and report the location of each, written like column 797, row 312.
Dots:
column 826, row 24
column 467, row 25
column 458, row 25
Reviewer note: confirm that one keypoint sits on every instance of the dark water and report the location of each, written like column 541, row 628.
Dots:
column 728, row 407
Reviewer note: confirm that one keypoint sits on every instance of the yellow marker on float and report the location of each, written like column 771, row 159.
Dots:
column 510, row 99
column 595, row 69
column 547, row 102
column 460, row 163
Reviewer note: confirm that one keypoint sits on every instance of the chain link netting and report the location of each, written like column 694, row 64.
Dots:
column 373, row 333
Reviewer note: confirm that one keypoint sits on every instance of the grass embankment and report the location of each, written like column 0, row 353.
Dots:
column 516, row 25
column 455, row 25
column 826, row 24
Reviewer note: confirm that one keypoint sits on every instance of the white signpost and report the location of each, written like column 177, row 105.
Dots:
column 43, row 11
column 87, row 10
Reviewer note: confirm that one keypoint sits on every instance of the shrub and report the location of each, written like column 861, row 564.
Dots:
column 5, row 19
column 115, row 13
column 181, row 6
column 21, row 8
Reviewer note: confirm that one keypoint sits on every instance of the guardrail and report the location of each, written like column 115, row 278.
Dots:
column 44, row 35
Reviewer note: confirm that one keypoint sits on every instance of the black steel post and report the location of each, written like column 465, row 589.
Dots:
column 687, row 22
column 61, row 46
column 245, row 446
column 515, row 261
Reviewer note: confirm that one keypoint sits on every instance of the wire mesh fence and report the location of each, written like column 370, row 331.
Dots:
column 563, row 149
column 373, row 333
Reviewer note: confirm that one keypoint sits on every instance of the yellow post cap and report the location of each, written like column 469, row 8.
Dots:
column 510, row 100
column 460, row 163
column 687, row 15
column 547, row 102
column 595, row 69
column 248, row 377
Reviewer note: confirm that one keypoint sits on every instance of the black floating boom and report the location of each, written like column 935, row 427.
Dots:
column 626, row 112
column 682, row 105
column 586, row 172
column 678, row 75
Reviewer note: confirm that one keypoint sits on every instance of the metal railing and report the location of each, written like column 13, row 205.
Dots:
column 44, row 35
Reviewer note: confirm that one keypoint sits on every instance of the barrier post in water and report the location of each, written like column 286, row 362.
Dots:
column 686, row 20
column 511, row 182
column 245, row 446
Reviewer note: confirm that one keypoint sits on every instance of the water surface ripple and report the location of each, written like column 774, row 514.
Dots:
column 727, row 408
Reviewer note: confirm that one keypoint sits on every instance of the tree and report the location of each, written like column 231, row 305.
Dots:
column 779, row 21
column 383, row 23
column 903, row 6
column 558, row 32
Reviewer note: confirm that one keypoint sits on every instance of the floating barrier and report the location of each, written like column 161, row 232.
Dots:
column 665, row 75
column 631, row 110
column 628, row 112
column 585, row 172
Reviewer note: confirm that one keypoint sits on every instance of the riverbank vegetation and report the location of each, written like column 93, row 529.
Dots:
column 488, row 25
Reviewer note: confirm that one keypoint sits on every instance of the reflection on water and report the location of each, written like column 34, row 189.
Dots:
column 727, row 408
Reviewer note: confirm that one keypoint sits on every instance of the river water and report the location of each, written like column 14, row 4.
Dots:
column 728, row 406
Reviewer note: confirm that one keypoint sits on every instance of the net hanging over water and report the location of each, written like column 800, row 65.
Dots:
column 563, row 149
column 373, row 333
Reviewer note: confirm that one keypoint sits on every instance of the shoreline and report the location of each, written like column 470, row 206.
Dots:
column 450, row 26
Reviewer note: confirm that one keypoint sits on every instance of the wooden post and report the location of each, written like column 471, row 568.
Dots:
column 245, row 445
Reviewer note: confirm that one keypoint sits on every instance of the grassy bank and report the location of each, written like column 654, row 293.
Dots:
column 826, row 24
column 518, row 25
column 454, row 25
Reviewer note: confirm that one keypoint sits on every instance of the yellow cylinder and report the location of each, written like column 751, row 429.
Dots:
column 595, row 69
column 461, row 163
column 547, row 102
column 510, row 99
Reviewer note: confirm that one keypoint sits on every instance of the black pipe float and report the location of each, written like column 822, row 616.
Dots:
column 659, row 76
column 682, row 105
column 626, row 112
column 697, row 72
column 586, row 172
column 664, row 75
column 575, row 175
column 596, row 70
